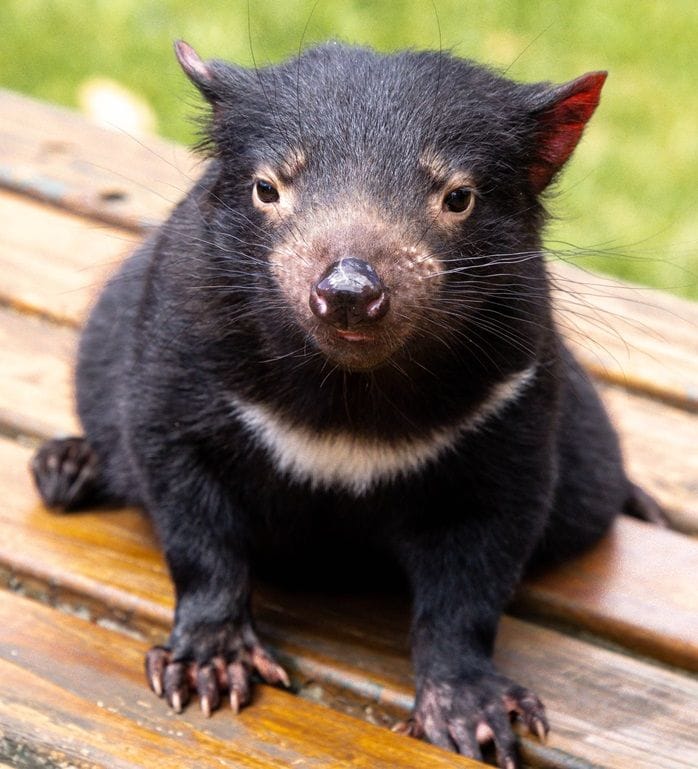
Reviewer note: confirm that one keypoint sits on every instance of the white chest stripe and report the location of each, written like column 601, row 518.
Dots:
column 355, row 464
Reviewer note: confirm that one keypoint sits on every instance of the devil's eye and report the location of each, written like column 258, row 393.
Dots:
column 459, row 200
column 266, row 192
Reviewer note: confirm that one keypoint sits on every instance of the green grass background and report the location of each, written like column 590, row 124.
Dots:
column 626, row 205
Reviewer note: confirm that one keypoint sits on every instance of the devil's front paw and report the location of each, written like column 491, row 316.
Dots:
column 211, row 660
column 462, row 715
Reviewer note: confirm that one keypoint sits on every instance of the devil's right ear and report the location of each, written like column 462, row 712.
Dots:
column 202, row 73
column 561, row 115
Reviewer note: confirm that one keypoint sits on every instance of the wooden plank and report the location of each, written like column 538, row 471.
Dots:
column 62, row 286
column 640, row 339
column 57, row 156
column 53, row 263
column 109, row 559
column 636, row 587
column 601, row 704
column 36, row 398
column 36, row 388
column 72, row 692
column 659, row 443
column 643, row 340
column 106, row 566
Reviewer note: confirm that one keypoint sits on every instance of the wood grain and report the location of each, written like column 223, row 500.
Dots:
column 53, row 263
column 73, row 692
column 603, row 705
column 37, row 359
column 659, row 443
column 57, row 156
column 643, row 340
column 639, row 570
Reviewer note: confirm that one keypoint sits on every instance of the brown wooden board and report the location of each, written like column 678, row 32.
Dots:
column 607, row 709
column 56, row 155
column 639, row 570
column 640, row 339
column 36, row 386
column 72, row 695
column 660, row 446
column 53, row 263
column 36, row 398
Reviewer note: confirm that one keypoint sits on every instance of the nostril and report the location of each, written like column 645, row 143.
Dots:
column 376, row 309
column 317, row 303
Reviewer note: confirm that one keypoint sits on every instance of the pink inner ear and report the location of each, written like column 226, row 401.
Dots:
column 562, row 124
column 190, row 62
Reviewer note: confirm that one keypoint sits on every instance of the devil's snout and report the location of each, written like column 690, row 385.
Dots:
column 349, row 293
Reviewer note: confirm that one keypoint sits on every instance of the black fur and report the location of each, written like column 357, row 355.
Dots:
column 197, row 316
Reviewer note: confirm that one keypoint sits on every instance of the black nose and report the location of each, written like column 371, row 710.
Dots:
column 349, row 293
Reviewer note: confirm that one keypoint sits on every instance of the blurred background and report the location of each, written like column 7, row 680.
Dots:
column 628, row 203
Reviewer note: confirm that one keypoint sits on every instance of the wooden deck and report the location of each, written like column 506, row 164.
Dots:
column 610, row 641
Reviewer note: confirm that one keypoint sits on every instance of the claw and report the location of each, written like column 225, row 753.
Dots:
column 540, row 729
column 270, row 670
column 174, row 674
column 156, row 661
column 156, row 685
column 283, row 677
column 238, row 677
column 410, row 728
column 208, row 688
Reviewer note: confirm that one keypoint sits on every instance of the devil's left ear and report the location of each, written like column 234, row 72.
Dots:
column 204, row 74
column 561, row 115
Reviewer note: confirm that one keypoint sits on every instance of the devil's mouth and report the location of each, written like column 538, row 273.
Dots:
column 355, row 349
column 354, row 336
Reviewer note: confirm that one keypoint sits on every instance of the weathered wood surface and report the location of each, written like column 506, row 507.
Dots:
column 607, row 709
column 106, row 565
column 37, row 360
column 55, row 269
column 660, row 446
column 638, row 338
column 638, row 571
column 53, row 154
column 72, row 695
column 36, row 386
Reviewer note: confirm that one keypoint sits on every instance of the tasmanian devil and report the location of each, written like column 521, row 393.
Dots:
column 341, row 341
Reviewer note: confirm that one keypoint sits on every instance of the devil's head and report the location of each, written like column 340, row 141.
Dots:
column 388, row 204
